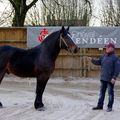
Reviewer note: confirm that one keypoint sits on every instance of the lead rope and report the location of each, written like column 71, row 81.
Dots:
column 60, row 44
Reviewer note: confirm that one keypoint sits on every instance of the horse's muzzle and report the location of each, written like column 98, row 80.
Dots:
column 75, row 49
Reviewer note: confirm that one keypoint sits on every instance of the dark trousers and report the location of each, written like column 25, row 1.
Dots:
column 103, row 87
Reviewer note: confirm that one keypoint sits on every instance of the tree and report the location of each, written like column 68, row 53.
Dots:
column 20, row 10
column 66, row 12
column 111, row 13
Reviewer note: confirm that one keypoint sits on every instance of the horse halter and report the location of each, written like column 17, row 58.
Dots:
column 60, row 43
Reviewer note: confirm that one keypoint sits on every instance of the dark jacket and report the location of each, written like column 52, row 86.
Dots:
column 110, row 66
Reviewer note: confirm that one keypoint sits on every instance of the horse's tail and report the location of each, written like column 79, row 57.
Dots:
column 4, row 58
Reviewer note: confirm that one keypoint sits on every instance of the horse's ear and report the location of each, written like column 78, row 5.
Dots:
column 63, row 28
column 68, row 28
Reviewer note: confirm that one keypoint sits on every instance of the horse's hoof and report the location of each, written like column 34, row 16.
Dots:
column 41, row 109
column 1, row 106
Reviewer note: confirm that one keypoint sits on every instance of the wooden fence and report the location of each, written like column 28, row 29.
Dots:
column 13, row 36
column 67, row 65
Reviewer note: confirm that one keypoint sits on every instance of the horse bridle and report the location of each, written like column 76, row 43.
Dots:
column 60, row 43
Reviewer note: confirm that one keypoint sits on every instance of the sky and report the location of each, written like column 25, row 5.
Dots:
column 94, row 21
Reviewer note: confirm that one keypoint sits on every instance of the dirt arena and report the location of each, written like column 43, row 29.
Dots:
column 64, row 99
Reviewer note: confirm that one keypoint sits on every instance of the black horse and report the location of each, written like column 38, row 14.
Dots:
column 37, row 62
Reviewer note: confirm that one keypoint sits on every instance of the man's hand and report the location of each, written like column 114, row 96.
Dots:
column 89, row 58
column 113, row 81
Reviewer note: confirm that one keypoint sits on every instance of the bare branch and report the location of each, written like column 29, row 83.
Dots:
column 46, row 6
column 58, row 3
column 31, row 4
column 6, row 17
column 13, row 4
column 87, row 1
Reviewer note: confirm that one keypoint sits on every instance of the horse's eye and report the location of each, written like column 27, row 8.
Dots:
column 64, row 35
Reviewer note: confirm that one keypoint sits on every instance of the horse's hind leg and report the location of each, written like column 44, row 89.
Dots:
column 1, row 105
column 2, row 73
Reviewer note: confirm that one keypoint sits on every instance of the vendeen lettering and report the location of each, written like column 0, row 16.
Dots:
column 95, row 40
column 91, row 38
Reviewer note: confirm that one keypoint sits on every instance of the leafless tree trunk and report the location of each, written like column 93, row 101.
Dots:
column 20, row 9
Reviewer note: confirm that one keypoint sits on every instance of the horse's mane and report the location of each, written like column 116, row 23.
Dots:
column 49, row 40
column 53, row 36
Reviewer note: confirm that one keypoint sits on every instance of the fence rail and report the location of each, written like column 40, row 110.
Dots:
column 66, row 64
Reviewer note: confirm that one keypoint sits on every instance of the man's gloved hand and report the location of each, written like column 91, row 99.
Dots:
column 113, row 81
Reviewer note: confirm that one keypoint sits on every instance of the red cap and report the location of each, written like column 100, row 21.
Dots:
column 110, row 45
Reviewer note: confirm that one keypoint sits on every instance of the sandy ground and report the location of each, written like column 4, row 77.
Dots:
column 69, row 99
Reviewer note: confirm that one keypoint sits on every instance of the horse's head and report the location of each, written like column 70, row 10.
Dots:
column 66, row 41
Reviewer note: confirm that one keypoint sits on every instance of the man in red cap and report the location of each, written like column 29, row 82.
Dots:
column 110, row 67
column 110, row 46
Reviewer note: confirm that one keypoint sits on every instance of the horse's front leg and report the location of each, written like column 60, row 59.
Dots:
column 40, row 87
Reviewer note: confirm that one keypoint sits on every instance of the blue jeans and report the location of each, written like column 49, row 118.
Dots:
column 103, row 87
